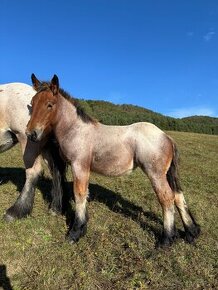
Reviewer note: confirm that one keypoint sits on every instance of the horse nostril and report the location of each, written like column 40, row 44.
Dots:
column 28, row 134
column 32, row 135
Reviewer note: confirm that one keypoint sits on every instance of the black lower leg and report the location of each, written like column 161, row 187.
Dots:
column 169, row 230
column 58, row 192
column 78, row 229
column 168, row 237
column 24, row 203
column 22, row 207
column 192, row 231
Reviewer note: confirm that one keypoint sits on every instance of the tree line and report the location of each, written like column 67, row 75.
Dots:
column 111, row 114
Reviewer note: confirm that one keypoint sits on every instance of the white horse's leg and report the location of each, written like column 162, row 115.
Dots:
column 80, row 180
column 24, row 203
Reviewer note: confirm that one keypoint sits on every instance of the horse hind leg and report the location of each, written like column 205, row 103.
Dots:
column 167, row 196
column 192, row 229
column 166, row 199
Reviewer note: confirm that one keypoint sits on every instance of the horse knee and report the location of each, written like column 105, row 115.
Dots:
column 36, row 167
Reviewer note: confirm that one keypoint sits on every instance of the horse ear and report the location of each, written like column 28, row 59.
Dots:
column 54, row 85
column 36, row 83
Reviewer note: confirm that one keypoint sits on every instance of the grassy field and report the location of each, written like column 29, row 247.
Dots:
column 118, row 251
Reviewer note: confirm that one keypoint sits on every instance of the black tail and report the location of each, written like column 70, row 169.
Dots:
column 173, row 171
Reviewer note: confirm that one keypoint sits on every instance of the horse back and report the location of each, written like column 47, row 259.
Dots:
column 119, row 149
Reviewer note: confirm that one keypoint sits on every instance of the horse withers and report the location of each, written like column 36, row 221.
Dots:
column 15, row 109
column 89, row 146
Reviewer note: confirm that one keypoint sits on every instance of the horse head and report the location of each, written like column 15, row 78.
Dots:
column 44, row 108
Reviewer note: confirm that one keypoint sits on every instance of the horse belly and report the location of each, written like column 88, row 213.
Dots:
column 112, row 164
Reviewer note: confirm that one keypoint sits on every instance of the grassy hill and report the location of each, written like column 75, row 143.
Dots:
column 109, row 113
column 118, row 252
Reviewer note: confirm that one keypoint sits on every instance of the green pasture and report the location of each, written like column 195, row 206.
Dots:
column 125, row 222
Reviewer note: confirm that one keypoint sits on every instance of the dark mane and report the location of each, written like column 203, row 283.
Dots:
column 80, row 111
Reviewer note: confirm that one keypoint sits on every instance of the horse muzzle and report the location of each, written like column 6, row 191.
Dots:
column 34, row 135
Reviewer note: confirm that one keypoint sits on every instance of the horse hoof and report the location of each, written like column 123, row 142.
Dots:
column 71, row 239
column 53, row 212
column 3, row 180
column 192, row 233
column 74, row 235
column 8, row 218
column 16, row 212
column 167, row 241
column 164, row 243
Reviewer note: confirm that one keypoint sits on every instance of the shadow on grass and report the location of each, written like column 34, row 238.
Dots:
column 117, row 203
column 17, row 177
column 4, row 280
column 114, row 201
column 13, row 174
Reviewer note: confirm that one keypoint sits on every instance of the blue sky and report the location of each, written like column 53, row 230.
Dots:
column 160, row 54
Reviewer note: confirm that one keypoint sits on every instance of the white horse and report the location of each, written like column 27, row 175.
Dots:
column 15, row 109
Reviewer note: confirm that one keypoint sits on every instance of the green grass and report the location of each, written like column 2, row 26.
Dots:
column 118, row 251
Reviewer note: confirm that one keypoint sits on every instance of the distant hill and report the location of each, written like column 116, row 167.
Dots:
column 109, row 113
column 204, row 124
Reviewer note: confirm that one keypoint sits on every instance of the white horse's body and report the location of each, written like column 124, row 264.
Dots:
column 15, row 110
column 14, row 118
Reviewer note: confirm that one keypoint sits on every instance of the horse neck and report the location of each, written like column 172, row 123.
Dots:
column 66, row 118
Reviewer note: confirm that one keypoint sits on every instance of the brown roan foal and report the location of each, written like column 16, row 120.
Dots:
column 89, row 146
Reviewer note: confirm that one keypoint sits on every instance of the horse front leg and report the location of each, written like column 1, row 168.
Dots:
column 80, row 184
column 32, row 161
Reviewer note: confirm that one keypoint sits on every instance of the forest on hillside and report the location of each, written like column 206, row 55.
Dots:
column 111, row 114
